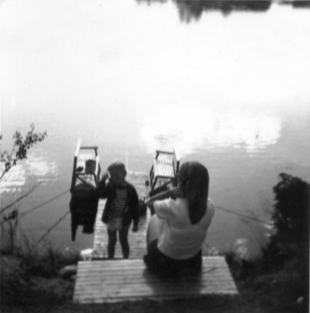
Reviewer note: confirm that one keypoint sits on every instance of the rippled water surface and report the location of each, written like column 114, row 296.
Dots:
column 226, row 85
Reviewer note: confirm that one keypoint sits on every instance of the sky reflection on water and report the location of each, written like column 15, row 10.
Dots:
column 230, row 90
column 37, row 167
column 190, row 130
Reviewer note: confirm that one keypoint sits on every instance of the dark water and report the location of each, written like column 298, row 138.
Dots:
column 225, row 83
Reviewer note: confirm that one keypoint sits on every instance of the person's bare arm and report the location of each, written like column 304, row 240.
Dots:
column 105, row 176
column 170, row 193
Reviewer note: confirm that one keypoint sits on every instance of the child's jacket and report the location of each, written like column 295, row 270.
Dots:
column 131, row 212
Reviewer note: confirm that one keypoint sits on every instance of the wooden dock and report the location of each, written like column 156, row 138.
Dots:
column 101, row 280
column 127, row 280
column 137, row 241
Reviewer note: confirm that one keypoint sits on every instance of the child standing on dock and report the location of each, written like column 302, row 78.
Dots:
column 121, row 208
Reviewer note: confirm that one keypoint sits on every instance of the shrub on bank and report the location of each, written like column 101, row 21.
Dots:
column 282, row 272
column 29, row 275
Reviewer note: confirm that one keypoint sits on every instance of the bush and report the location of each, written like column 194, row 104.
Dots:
column 282, row 271
column 287, row 254
column 29, row 274
column 291, row 220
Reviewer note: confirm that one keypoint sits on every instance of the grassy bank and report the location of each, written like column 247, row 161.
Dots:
column 29, row 276
column 30, row 282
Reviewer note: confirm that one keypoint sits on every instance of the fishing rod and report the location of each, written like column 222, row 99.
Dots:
column 244, row 216
column 38, row 206
column 52, row 227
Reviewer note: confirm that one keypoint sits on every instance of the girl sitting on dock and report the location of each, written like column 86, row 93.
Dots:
column 178, row 228
column 122, row 206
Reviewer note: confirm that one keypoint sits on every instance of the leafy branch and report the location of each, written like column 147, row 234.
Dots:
column 20, row 148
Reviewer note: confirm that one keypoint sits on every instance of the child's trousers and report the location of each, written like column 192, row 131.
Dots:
column 123, row 239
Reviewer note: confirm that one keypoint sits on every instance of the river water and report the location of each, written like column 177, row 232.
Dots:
column 227, row 85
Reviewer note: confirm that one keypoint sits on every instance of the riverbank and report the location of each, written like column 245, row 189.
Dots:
column 37, row 287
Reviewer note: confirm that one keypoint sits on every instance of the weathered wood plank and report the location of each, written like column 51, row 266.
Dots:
column 151, row 292
column 217, row 272
column 154, row 284
column 212, row 261
column 123, row 292
column 115, row 279
column 123, row 280
column 107, row 267
column 108, row 272
column 141, row 285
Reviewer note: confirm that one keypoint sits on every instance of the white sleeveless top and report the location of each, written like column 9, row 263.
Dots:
column 180, row 239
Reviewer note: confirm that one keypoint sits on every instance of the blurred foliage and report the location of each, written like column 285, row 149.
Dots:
column 29, row 274
column 291, row 218
column 20, row 149
column 286, row 256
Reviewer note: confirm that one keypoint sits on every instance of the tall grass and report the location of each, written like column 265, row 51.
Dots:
column 257, row 235
column 29, row 272
column 8, row 233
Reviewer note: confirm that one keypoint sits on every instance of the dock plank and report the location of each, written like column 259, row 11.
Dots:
column 137, row 241
column 124, row 280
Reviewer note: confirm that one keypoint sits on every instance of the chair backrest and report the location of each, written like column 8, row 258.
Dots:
column 77, row 151
column 75, row 163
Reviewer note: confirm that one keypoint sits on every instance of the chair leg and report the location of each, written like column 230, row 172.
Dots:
column 154, row 184
column 151, row 176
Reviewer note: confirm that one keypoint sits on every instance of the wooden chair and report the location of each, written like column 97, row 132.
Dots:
column 165, row 168
column 86, row 170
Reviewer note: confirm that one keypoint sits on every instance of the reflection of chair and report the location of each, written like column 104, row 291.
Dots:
column 86, row 170
column 164, row 169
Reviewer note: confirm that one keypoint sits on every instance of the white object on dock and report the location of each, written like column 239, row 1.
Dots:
column 88, row 254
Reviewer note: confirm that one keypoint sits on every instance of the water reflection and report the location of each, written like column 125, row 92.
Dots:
column 35, row 166
column 189, row 131
column 189, row 10
column 13, row 180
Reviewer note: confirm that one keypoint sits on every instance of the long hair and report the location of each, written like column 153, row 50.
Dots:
column 194, row 183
